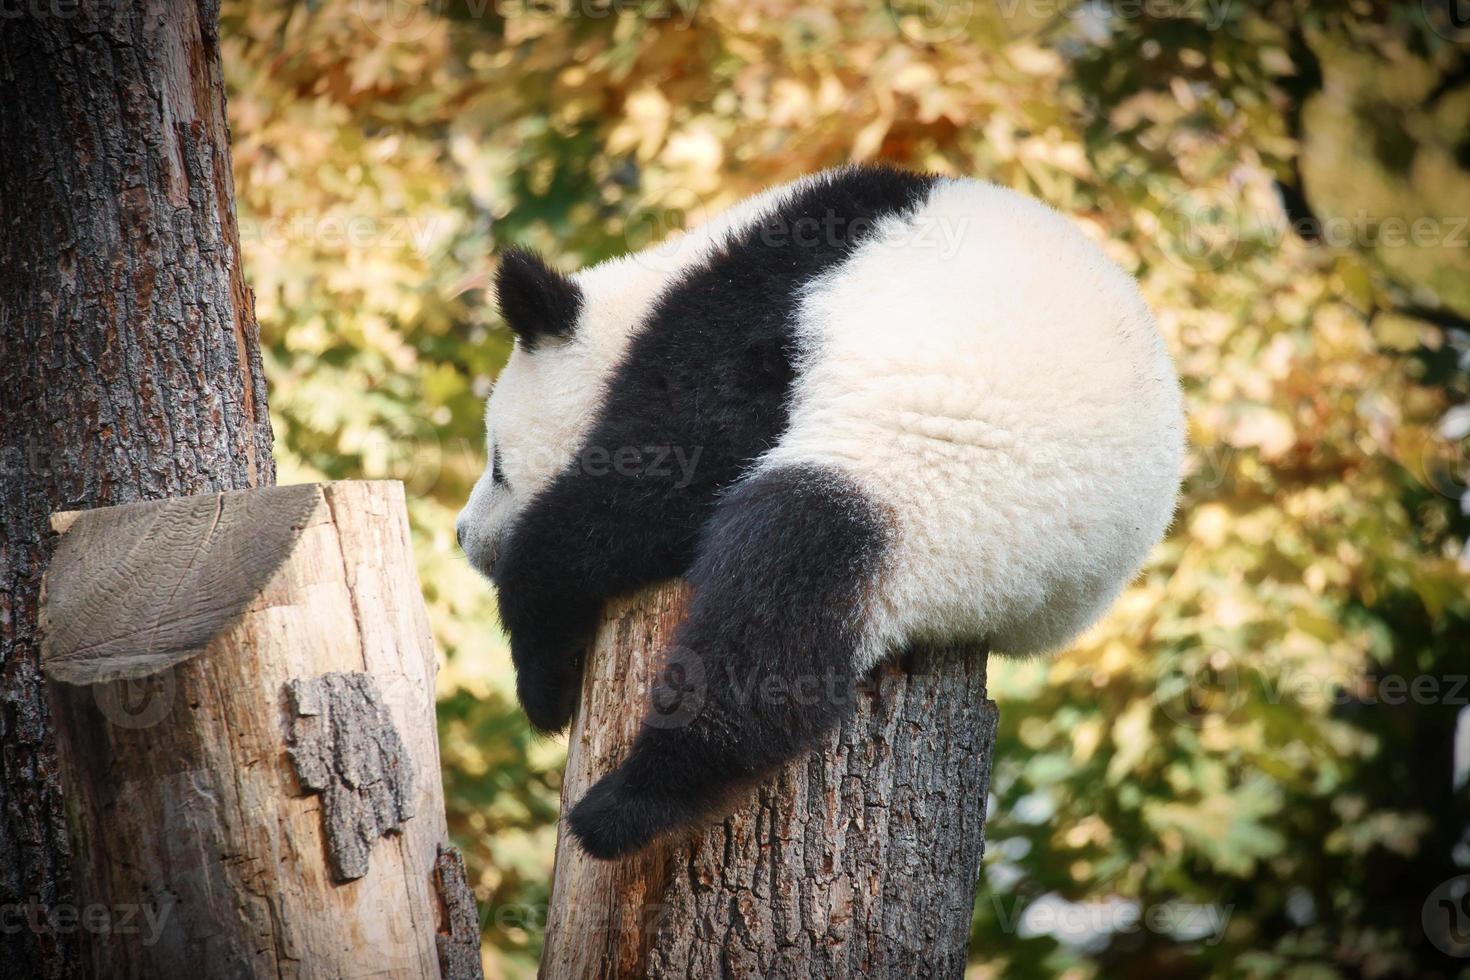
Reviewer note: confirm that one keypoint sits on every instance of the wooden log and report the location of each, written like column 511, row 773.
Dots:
column 861, row 860
column 243, row 690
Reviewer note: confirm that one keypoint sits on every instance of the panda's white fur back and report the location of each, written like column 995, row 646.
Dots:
column 985, row 371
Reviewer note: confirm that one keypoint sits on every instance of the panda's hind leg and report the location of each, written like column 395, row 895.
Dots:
column 763, row 667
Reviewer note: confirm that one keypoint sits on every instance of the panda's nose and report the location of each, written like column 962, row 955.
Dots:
column 459, row 534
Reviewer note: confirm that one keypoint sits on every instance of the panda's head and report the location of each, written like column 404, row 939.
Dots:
column 539, row 408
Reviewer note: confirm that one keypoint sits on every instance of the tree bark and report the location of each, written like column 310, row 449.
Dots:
column 861, row 860
column 129, row 356
column 243, row 691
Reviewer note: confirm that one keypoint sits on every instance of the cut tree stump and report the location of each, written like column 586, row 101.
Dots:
column 861, row 860
column 243, row 691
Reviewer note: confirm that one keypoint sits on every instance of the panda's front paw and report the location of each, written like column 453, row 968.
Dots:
column 547, row 687
column 547, row 647
column 612, row 821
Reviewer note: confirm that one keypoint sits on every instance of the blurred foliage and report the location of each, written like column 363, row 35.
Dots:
column 1233, row 775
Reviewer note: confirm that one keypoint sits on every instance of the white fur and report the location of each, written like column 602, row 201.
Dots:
column 1011, row 404
column 979, row 367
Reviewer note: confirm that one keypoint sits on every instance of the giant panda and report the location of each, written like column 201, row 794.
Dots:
column 863, row 410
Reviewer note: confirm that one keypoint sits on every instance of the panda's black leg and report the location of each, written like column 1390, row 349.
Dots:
column 764, row 665
column 587, row 538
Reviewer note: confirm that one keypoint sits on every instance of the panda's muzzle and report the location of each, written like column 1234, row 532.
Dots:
column 483, row 554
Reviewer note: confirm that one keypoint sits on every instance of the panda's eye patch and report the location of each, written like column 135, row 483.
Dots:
column 497, row 475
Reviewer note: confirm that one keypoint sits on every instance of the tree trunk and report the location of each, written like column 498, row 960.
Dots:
column 129, row 357
column 243, row 691
column 861, row 860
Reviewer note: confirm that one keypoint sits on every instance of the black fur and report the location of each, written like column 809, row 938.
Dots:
column 707, row 380
column 536, row 301
column 762, row 667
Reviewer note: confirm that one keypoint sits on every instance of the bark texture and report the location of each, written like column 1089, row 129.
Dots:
column 343, row 744
column 861, row 860
column 459, row 931
column 268, row 803
column 129, row 358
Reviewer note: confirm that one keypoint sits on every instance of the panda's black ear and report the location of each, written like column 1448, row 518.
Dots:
column 537, row 301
